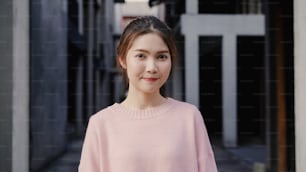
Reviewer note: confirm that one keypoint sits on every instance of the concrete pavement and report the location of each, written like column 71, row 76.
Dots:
column 69, row 161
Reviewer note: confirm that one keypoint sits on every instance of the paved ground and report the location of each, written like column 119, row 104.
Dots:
column 69, row 161
column 227, row 161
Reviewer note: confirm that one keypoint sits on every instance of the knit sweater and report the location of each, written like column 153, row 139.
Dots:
column 168, row 138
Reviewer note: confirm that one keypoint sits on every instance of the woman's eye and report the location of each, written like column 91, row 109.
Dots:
column 162, row 57
column 140, row 56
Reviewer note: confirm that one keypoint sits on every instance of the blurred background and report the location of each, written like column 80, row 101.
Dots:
column 236, row 64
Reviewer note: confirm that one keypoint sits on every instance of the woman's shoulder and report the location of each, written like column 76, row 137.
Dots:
column 186, row 110
column 104, row 113
column 181, row 105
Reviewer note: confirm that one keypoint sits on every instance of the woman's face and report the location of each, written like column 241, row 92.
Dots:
column 148, row 64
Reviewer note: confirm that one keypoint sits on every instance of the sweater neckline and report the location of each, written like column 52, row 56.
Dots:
column 144, row 113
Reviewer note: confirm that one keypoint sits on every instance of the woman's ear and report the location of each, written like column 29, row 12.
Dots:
column 122, row 63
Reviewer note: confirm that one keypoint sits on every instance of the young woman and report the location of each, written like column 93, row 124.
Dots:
column 147, row 132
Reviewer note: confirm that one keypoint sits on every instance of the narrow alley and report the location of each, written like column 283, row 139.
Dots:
column 241, row 63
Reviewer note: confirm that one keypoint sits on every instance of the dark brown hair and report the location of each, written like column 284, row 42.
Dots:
column 140, row 26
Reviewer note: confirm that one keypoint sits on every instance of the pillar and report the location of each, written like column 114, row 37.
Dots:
column 14, row 85
column 300, row 83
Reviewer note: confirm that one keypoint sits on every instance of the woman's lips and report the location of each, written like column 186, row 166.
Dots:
column 150, row 79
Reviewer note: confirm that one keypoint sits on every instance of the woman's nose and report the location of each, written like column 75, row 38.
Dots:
column 151, row 66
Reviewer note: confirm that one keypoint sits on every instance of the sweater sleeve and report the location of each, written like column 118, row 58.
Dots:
column 89, row 161
column 205, row 155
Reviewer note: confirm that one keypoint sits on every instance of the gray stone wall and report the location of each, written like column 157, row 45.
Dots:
column 48, row 80
column 6, row 76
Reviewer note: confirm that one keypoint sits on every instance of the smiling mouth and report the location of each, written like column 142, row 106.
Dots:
column 150, row 79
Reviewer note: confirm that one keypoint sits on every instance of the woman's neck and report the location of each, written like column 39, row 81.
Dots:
column 143, row 101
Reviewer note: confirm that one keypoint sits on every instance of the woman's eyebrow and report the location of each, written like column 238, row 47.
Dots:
column 142, row 50
column 163, row 51
column 146, row 51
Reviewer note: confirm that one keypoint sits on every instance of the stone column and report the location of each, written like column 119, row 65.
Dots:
column 192, row 7
column 14, row 85
column 300, row 83
column 229, row 90
column 192, row 68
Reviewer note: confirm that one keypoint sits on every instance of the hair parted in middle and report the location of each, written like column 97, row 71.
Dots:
column 140, row 26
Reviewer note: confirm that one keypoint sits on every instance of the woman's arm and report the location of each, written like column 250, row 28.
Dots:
column 90, row 152
column 205, row 155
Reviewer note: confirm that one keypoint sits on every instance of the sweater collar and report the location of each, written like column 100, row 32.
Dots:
column 145, row 113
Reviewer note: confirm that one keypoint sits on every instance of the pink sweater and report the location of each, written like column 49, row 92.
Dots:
column 168, row 138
